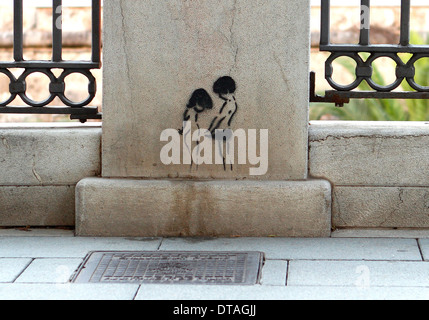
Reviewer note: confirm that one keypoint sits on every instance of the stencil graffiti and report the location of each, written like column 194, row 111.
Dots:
column 200, row 103
column 200, row 110
column 206, row 136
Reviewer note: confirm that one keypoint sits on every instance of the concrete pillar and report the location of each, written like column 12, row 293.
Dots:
column 181, row 75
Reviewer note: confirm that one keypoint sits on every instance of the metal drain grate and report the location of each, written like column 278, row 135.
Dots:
column 166, row 267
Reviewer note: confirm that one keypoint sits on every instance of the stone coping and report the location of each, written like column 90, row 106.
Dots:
column 49, row 125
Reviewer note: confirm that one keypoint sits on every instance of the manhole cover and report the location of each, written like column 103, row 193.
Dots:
column 229, row 268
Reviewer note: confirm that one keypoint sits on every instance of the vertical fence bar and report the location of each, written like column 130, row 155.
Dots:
column 96, row 30
column 405, row 22
column 18, row 30
column 57, row 32
column 325, row 22
column 365, row 22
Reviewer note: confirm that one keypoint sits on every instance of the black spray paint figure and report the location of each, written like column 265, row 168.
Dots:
column 225, row 88
column 200, row 103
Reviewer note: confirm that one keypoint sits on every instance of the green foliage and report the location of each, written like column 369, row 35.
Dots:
column 377, row 109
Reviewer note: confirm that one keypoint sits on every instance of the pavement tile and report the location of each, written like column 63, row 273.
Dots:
column 50, row 270
column 424, row 246
column 361, row 274
column 274, row 273
column 11, row 268
column 313, row 249
column 70, row 247
column 20, row 291
column 229, row 293
column 316, row 269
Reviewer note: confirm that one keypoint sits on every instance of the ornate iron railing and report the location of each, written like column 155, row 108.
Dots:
column 57, row 86
column 364, row 68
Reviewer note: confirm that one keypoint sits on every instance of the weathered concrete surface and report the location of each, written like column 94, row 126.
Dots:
column 40, row 165
column 37, row 206
column 380, row 207
column 370, row 153
column 49, row 154
column 161, row 51
column 115, row 207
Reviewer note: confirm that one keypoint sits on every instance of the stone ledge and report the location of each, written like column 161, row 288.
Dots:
column 370, row 153
column 119, row 207
column 48, row 154
column 37, row 206
column 380, row 207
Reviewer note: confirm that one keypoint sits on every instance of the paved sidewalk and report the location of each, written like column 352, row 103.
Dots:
column 38, row 264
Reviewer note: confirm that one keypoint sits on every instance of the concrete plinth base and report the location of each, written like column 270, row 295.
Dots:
column 142, row 208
